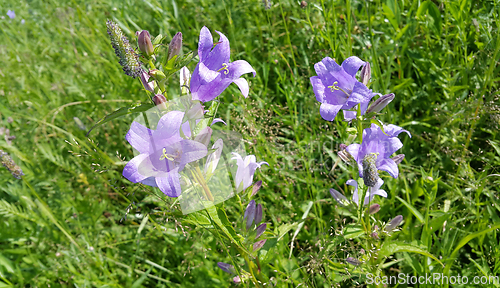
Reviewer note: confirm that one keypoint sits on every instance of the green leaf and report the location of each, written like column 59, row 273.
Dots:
column 394, row 247
column 389, row 13
column 134, row 108
column 139, row 281
column 199, row 218
column 284, row 228
column 308, row 208
column 462, row 243
column 422, row 9
column 435, row 14
column 143, row 224
column 219, row 217
column 353, row 231
column 158, row 39
column 412, row 209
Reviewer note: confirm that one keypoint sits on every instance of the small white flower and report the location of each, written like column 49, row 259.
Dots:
column 246, row 169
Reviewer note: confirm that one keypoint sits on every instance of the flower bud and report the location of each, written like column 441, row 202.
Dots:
column 159, row 99
column 228, row 268
column 185, row 79
column 249, row 214
column 375, row 236
column 380, row 103
column 144, row 42
column 175, row 46
column 258, row 214
column 237, row 279
column 341, row 199
column 196, row 111
column 395, row 222
column 374, row 208
column 157, row 75
column 370, row 173
column 256, row 187
column 260, row 230
column 366, row 74
column 398, row 158
column 204, row 136
column 353, row 261
column 147, row 85
column 257, row 245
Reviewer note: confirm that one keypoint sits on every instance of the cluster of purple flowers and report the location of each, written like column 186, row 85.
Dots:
column 337, row 88
column 165, row 152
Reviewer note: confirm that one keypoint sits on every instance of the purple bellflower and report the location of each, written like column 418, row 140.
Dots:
column 336, row 87
column 375, row 150
column 163, row 154
column 11, row 14
column 214, row 73
column 246, row 169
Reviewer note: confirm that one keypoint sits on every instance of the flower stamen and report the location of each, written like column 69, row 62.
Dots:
column 224, row 68
column 166, row 156
column 334, row 86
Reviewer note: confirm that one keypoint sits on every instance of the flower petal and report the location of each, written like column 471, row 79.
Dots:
column 353, row 149
column 191, row 151
column 213, row 159
column 206, row 43
column 140, row 137
column 243, row 85
column 389, row 166
column 217, row 120
column 170, row 184
column 168, row 125
column 133, row 171
column 352, row 64
column 238, row 68
column 393, row 130
column 329, row 111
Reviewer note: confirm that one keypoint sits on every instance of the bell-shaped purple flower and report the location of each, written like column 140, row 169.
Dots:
column 378, row 145
column 246, row 169
column 214, row 73
column 163, row 154
column 336, row 87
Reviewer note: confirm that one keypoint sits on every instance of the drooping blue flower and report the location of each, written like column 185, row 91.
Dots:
column 163, row 154
column 377, row 147
column 336, row 87
column 214, row 73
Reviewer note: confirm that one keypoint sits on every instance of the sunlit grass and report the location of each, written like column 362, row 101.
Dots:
column 78, row 225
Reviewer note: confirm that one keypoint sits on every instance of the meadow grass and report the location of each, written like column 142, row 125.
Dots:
column 74, row 221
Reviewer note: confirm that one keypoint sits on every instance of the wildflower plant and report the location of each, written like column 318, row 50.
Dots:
column 180, row 149
column 337, row 88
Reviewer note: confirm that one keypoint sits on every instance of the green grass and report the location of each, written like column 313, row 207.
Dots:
column 74, row 220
